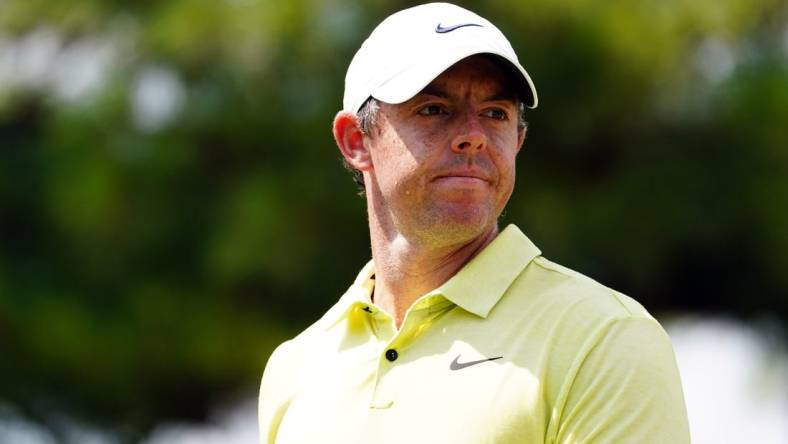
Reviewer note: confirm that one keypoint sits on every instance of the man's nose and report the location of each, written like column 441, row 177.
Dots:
column 471, row 138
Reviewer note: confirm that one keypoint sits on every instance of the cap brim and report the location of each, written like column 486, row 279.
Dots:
column 409, row 82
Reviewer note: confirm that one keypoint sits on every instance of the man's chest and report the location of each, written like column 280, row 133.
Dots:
column 432, row 391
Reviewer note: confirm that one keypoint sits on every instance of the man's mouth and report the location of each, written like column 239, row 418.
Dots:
column 459, row 180
column 468, row 176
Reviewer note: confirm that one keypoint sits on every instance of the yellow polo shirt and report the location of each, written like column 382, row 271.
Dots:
column 512, row 349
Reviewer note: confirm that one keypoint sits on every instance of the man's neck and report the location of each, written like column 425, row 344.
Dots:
column 406, row 269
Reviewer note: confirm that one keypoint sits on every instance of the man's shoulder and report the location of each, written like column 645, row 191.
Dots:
column 286, row 369
column 583, row 289
column 311, row 337
column 552, row 291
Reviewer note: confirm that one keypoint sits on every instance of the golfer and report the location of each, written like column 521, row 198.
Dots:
column 458, row 331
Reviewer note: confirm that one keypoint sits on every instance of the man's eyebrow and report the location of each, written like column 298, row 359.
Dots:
column 432, row 90
column 502, row 96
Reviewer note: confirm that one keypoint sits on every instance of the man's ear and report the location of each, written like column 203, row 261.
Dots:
column 350, row 141
column 521, row 137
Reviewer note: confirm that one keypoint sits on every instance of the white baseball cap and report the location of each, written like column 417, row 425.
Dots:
column 412, row 47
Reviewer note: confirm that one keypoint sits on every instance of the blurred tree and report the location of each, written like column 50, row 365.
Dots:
column 172, row 205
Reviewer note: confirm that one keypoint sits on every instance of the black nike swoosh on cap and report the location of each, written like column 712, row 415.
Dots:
column 456, row 365
column 442, row 30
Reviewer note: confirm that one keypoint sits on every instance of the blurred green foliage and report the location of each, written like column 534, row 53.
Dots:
column 151, row 260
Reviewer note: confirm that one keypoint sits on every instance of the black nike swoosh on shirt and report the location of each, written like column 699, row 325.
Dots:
column 456, row 365
column 442, row 30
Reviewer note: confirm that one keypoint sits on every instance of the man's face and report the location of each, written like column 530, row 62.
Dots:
column 443, row 163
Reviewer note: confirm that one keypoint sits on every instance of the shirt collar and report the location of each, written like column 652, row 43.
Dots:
column 476, row 288
column 481, row 283
column 359, row 295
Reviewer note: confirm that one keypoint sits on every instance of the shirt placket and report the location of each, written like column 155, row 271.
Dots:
column 392, row 345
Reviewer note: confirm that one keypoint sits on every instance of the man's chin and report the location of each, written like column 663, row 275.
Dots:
column 457, row 225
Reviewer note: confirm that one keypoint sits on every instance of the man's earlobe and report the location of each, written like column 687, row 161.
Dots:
column 350, row 141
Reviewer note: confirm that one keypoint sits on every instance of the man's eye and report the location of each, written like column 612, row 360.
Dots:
column 431, row 110
column 496, row 113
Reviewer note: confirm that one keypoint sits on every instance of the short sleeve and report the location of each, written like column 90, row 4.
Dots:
column 626, row 390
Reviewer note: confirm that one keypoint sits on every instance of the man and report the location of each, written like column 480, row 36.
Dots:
column 455, row 332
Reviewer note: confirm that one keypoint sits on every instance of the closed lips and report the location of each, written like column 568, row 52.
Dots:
column 474, row 176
